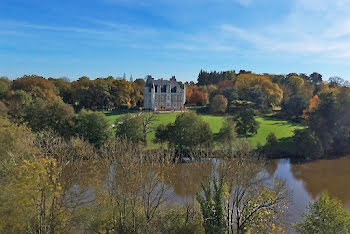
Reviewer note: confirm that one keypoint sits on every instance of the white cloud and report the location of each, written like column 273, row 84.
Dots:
column 312, row 28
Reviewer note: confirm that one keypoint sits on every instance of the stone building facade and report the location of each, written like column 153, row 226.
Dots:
column 164, row 94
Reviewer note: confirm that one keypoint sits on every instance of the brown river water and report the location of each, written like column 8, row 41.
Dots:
column 305, row 181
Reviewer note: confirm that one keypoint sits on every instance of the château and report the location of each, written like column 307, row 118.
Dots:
column 164, row 94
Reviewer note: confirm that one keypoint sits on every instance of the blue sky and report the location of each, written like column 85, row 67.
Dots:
column 98, row 38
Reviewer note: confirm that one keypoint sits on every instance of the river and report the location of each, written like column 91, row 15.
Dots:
column 305, row 181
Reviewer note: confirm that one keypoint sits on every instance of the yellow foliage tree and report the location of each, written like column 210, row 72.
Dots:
column 273, row 92
column 30, row 200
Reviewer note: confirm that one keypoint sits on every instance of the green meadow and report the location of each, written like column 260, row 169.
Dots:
column 281, row 128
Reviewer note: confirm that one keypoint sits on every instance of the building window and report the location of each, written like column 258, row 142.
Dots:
column 163, row 89
column 174, row 104
column 156, row 88
column 173, row 90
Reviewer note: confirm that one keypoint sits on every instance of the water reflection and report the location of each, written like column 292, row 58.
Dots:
column 305, row 181
column 331, row 175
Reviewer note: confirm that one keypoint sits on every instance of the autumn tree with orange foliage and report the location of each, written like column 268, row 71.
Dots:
column 272, row 91
column 328, row 121
column 37, row 87
column 196, row 96
column 313, row 104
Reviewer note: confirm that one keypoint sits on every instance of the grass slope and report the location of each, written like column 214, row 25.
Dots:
column 281, row 128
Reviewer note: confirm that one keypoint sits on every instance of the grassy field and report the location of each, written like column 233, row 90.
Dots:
column 281, row 128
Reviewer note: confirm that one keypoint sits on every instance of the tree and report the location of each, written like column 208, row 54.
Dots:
column 64, row 88
column 3, row 109
column 163, row 133
column 254, row 204
column 270, row 147
column 32, row 196
column 230, row 94
column 58, row 116
column 316, row 78
column 190, row 131
column 272, row 91
column 258, row 97
column 218, row 104
column 326, row 215
column 212, row 207
column 135, row 127
column 198, row 98
column 322, row 120
column 93, row 126
column 296, row 83
column 37, row 87
column 16, row 144
column 226, row 134
column 309, row 146
column 4, row 87
column 130, row 127
column 271, row 139
column 17, row 103
column 294, row 106
column 246, row 125
column 148, row 120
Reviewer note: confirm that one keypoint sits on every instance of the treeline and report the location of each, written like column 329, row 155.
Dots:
column 322, row 105
column 98, row 94
column 67, row 107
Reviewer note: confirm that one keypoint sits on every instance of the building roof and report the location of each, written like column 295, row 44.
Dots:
column 150, row 82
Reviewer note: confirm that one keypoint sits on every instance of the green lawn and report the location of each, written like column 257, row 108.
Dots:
column 281, row 128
